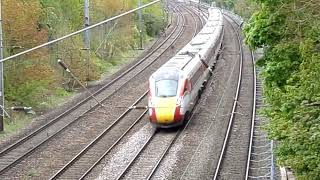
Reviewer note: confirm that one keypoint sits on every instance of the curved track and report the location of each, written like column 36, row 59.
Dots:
column 18, row 151
column 260, row 163
column 118, row 127
column 150, row 155
column 73, row 168
column 233, row 110
column 231, row 162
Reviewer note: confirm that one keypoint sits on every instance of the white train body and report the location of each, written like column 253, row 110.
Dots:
column 176, row 85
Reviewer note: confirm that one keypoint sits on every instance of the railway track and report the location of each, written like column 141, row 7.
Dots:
column 74, row 168
column 260, row 162
column 148, row 159
column 203, row 12
column 143, row 167
column 77, row 168
column 40, row 135
column 148, row 156
column 228, row 163
column 25, row 146
column 15, row 153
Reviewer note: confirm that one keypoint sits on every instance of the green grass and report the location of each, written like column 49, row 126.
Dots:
column 115, row 63
column 19, row 120
column 58, row 97
column 13, row 126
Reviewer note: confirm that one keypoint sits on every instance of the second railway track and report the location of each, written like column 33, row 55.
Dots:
column 232, row 161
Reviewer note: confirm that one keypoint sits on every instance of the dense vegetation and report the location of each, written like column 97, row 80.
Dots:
column 35, row 79
column 289, row 32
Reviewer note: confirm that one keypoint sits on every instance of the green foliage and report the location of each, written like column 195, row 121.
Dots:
column 35, row 79
column 264, row 28
column 154, row 19
column 12, row 126
column 287, row 62
column 290, row 36
column 153, row 24
column 25, row 93
column 63, row 16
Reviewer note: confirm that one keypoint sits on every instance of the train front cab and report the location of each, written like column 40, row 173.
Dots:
column 169, row 98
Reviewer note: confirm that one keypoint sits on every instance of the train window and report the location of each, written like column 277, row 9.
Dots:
column 166, row 88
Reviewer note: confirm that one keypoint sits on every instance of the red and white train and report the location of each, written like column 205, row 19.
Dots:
column 176, row 85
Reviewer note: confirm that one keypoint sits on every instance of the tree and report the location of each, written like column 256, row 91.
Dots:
column 289, row 32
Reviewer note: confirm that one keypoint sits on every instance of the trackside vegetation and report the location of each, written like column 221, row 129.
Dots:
column 36, row 79
column 289, row 33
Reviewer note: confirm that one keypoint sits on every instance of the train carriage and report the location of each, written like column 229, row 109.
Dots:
column 176, row 85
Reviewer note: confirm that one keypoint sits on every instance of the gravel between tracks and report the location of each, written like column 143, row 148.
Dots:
column 193, row 156
column 235, row 158
column 202, row 141
column 180, row 155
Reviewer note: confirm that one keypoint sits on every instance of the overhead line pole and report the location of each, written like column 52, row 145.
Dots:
column 140, row 24
column 86, row 24
column 87, row 36
column 79, row 31
column 1, row 74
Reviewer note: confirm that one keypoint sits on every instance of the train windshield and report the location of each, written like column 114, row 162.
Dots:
column 166, row 88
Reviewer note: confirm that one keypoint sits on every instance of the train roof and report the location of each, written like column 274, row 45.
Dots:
column 177, row 63
column 166, row 73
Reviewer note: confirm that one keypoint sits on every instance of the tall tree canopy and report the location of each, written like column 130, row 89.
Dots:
column 289, row 32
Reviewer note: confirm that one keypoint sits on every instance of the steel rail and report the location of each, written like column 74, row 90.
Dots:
column 253, row 126
column 149, row 140
column 196, row 23
column 79, row 31
column 253, row 118
column 112, row 146
column 254, row 107
column 204, row 13
column 202, row 17
column 34, row 133
column 4, row 151
column 137, row 155
column 86, row 99
column 99, row 137
column 217, row 170
column 168, row 148
column 259, row 158
column 214, row 115
column 131, row 162
column 172, row 141
column 60, row 172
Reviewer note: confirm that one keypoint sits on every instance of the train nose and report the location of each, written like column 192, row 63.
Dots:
column 165, row 109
